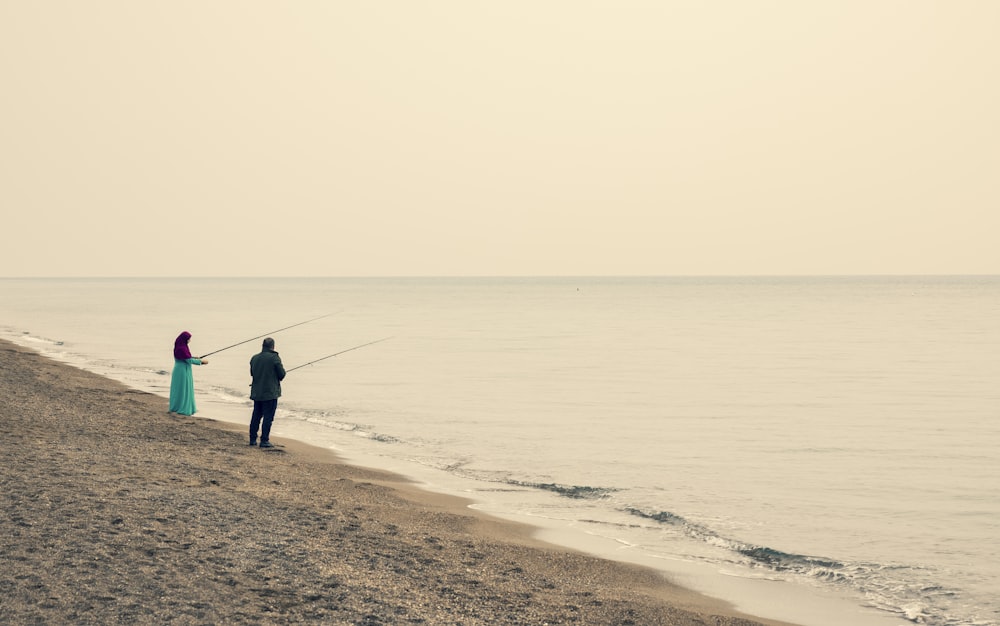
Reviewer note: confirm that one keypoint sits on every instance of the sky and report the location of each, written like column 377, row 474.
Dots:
column 473, row 138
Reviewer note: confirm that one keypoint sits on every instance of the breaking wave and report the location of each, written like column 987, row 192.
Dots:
column 902, row 590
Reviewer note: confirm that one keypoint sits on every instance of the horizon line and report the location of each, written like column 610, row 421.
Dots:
column 494, row 276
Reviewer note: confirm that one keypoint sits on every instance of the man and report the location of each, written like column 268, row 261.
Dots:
column 267, row 373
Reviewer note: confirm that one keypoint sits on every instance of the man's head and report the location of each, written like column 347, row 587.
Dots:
column 269, row 344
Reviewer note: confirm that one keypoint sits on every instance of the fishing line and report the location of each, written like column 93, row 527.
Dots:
column 265, row 335
column 336, row 353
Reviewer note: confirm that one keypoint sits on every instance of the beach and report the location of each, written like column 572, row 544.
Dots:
column 116, row 511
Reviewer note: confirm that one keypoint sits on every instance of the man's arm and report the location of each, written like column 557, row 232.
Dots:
column 279, row 369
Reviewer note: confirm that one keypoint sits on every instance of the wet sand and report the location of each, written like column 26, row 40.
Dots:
column 118, row 512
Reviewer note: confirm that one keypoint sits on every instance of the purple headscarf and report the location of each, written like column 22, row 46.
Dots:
column 181, row 350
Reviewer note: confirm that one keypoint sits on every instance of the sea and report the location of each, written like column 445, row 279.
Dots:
column 820, row 450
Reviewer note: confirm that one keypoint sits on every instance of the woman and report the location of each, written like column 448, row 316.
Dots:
column 182, row 380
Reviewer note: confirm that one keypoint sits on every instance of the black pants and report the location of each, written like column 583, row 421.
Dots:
column 262, row 410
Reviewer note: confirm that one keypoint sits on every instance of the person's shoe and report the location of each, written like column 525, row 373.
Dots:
column 253, row 442
column 266, row 444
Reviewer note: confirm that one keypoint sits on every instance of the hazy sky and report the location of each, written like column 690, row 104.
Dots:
column 243, row 137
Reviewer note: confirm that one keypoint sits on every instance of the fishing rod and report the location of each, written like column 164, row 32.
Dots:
column 336, row 353
column 266, row 334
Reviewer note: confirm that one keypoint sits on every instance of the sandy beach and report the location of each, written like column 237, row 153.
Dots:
column 116, row 511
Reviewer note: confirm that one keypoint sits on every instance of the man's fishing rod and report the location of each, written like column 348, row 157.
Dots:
column 266, row 334
column 336, row 353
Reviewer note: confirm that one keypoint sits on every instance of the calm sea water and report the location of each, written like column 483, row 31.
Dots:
column 767, row 440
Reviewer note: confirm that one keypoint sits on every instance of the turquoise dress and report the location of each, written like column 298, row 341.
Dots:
column 182, row 387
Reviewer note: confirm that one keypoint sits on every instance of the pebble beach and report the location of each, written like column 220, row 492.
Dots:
column 118, row 512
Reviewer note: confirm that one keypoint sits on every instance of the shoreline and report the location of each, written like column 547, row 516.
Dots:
column 118, row 511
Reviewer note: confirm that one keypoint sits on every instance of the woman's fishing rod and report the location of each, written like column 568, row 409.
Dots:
column 336, row 353
column 266, row 334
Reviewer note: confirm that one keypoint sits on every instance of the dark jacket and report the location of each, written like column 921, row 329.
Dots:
column 267, row 373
